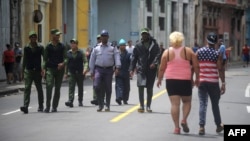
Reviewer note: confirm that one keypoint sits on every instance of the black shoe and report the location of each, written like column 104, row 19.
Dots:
column 24, row 109
column 40, row 109
column 69, row 104
column 80, row 104
column 54, row 110
column 94, row 102
column 125, row 102
column 118, row 101
column 46, row 110
column 99, row 109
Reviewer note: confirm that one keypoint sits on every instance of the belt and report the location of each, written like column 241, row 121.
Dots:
column 110, row 67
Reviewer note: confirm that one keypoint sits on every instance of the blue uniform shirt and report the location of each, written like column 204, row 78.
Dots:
column 104, row 56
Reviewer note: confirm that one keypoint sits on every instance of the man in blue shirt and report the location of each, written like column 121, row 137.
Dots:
column 103, row 59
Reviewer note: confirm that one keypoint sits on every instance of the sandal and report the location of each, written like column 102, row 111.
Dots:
column 177, row 131
column 184, row 126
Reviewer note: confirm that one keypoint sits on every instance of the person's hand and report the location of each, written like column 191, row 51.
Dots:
column 152, row 66
column 60, row 66
column 117, row 72
column 43, row 73
column 131, row 74
column 223, row 88
column 158, row 83
column 196, row 82
column 92, row 75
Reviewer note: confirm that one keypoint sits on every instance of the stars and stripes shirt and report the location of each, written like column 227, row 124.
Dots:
column 207, row 58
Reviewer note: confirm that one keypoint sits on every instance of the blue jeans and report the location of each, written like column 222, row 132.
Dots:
column 213, row 91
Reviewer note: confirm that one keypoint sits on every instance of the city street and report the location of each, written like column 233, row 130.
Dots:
column 123, row 122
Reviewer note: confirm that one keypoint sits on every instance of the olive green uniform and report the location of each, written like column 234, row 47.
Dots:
column 53, row 55
column 32, row 72
column 74, row 61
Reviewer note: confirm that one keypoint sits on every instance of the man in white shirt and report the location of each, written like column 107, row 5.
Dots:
column 130, row 47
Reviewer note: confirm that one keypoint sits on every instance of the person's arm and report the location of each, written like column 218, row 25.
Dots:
column 157, row 56
column 24, row 59
column 162, row 67
column 85, row 63
column 133, row 62
column 221, row 70
column 195, row 68
column 92, row 62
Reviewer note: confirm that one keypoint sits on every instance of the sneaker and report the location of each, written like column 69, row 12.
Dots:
column 24, row 109
column 69, row 104
column 219, row 128
column 202, row 131
column 184, row 126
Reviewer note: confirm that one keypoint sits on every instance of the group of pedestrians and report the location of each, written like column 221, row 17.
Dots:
column 181, row 67
column 52, row 63
column 11, row 60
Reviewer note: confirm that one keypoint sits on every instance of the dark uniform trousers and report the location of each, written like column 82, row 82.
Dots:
column 122, row 87
column 103, row 76
column 73, row 80
column 29, row 77
column 53, row 77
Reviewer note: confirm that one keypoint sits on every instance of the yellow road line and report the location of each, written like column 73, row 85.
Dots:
column 129, row 111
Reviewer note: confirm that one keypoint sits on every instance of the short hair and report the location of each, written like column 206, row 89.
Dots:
column 176, row 38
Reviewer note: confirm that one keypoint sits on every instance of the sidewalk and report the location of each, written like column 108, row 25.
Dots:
column 14, row 88
column 7, row 89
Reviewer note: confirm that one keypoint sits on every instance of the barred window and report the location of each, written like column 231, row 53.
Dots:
column 149, row 5
column 162, row 6
column 149, row 22
column 161, row 23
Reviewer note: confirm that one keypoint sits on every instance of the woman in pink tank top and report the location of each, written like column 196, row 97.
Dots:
column 178, row 63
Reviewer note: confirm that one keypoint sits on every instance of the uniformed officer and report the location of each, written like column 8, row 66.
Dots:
column 55, row 54
column 102, row 61
column 122, row 80
column 77, row 67
column 32, row 69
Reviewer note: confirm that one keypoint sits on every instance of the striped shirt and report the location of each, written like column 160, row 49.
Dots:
column 207, row 58
column 104, row 56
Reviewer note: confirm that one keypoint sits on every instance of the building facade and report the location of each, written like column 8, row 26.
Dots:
column 22, row 16
column 226, row 19
column 125, row 18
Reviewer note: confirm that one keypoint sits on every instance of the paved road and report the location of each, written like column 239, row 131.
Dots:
column 122, row 123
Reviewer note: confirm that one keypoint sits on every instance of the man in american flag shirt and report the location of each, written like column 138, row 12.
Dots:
column 211, row 72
